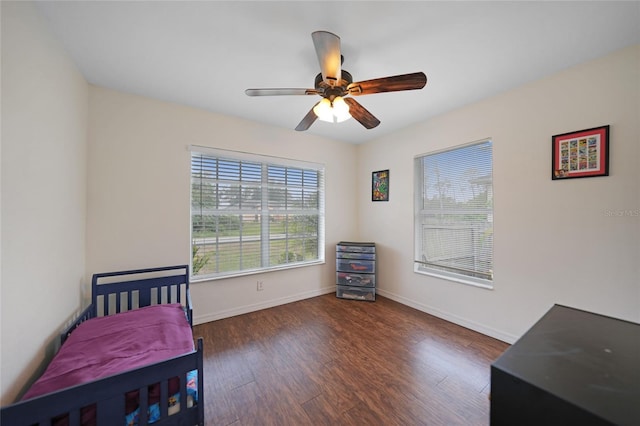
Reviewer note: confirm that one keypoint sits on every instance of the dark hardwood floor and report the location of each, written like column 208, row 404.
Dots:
column 329, row 361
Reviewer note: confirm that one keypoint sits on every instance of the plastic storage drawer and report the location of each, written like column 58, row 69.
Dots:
column 352, row 255
column 355, row 248
column 357, row 266
column 356, row 293
column 351, row 279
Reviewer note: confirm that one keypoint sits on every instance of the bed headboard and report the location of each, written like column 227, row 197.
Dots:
column 113, row 292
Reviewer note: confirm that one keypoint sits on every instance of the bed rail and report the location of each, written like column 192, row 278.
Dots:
column 85, row 315
column 109, row 396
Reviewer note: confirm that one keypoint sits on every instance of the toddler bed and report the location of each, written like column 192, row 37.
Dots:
column 129, row 358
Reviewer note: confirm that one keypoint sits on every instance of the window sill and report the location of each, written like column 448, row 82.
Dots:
column 475, row 282
column 215, row 277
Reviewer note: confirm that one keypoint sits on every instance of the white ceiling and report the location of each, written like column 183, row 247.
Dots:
column 206, row 53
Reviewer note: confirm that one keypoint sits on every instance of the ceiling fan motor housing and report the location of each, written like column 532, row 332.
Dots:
column 329, row 91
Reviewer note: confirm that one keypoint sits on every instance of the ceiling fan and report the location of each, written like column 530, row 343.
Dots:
column 333, row 84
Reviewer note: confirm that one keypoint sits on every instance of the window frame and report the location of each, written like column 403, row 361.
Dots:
column 265, row 185
column 420, row 266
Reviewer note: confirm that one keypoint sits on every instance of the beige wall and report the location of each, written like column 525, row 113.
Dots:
column 138, row 195
column 555, row 241
column 44, row 134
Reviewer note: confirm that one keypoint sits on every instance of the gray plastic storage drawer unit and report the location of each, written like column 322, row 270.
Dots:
column 356, row 270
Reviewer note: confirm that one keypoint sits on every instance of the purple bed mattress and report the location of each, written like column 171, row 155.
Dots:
column 107, row 345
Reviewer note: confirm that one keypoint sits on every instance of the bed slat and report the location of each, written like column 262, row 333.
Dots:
column 144, row 405
column 164, row 396
column 183, row 392
column 105, row 306
column 144, row 297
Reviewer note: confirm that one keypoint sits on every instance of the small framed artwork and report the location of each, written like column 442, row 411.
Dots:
column 380, row 185
column 584, row 153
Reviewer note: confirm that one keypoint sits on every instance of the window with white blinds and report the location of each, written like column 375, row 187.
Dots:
column 454, row 213
column 251, row 213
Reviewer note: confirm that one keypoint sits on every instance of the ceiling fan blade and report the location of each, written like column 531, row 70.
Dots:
column 328, row 50
column 308, row 120
column 280, row 92
column 416, row 80
column 360, row 113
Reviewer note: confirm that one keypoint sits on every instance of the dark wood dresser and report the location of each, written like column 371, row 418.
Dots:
column 571, row 368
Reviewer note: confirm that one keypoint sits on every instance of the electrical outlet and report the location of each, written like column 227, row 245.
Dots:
column 259, row 286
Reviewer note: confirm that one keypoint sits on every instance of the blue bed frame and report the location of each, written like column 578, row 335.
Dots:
column 111, row 293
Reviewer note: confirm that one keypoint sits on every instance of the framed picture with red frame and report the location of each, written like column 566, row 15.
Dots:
column 584, row 153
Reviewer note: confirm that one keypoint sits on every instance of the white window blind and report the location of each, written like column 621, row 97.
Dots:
column 251, row 213
column 454, row 213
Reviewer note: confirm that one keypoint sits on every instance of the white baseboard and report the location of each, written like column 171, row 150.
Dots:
column 201, row 319
column 464, row 322
column 472, row 325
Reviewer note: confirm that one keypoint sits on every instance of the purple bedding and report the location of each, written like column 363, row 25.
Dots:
column 113, row 344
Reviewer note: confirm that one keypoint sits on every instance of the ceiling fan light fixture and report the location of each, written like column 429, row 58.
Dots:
column 323, row 110
column 332, row 112
column 340, row 110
